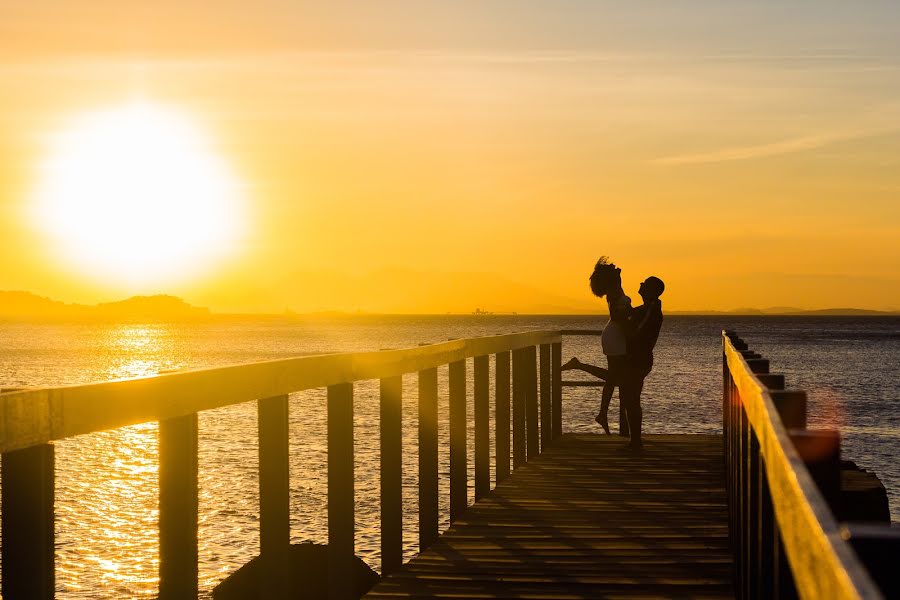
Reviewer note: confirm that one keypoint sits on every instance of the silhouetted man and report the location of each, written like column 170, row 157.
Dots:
column 643, row 331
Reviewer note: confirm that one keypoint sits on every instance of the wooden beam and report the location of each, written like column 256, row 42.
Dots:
column 458, row 473
column 341, row 530
column 481, row 374
column 546, row 407
column 501, row 414
column 556, row 394
column 274, row 495
column 178, row 506
column 28, row 536
column 428, row 457
column 391, row 474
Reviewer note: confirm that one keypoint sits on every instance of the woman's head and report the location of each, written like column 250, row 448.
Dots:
column 605, row 278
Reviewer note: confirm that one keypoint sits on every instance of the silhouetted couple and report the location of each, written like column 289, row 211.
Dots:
column 628, row 341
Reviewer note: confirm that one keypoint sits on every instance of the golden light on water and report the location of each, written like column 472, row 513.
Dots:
column 136, row 195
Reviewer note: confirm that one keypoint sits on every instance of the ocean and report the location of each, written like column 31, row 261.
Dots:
column 106, row 483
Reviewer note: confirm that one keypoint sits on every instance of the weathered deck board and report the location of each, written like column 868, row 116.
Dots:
column 587, row 520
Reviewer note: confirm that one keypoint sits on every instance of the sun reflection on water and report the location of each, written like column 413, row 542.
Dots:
column 140, row 351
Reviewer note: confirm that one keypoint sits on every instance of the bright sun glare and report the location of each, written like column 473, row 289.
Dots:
column 135, row 194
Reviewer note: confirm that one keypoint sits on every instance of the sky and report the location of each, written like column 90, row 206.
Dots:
column 432, row 157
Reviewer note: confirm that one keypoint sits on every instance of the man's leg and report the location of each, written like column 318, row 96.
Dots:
column 630, row 393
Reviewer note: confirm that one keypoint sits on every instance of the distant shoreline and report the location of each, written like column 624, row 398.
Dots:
column 26, row 306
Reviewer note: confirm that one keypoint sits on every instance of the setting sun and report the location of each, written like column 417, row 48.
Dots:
column 135, row 195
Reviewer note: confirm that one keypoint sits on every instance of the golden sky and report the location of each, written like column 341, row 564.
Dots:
column 423, row 157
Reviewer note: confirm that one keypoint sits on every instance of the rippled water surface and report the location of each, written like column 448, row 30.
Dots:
column 106, row 483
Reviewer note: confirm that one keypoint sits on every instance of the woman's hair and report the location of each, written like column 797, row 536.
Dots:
column 606, row 277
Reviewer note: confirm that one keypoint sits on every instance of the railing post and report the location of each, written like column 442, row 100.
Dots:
column 481, row 374
column 274, row 495
column 878, row 547
column 391, row 399
column 532, row 436
column 428, row 457
column 556, row 394
column 791, row 407
column 341, row 549
column 458, row 474
column 501, row 413
column 820, row 451
column 178, row 506
column 546, row 409
column 518, row 401
column 28, row 536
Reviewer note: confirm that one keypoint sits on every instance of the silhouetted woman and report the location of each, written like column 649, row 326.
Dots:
column 606, row 281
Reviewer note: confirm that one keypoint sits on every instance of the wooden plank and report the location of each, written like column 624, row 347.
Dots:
column 178, row 506
column 27, row 525
column 274, row 494
column 341, row 547
column 428, row 457
column 458, row 473
column 546, row 407
column 391, row 398
column 501, row 416
column 481, row 373
column 586, row 520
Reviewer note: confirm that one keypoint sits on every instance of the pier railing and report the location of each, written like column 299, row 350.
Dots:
column 784, row 485
column 527, row 387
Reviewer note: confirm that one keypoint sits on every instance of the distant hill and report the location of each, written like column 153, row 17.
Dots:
column 15, row 305
column 788, row 311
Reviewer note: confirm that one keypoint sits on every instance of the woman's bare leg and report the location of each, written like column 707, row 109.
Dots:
column 602, row 417
column 575, row 364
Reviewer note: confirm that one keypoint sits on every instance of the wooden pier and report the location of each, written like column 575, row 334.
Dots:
column 754, row 513
column 588, row 520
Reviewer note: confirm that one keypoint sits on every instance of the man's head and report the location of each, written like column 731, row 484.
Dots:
column 606, row 277
column 651, row 288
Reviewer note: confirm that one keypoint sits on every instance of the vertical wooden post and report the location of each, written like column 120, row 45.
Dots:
column 341, row 549
column 546, row 408
column 458, row 474
column 518, row 408
column 791, row 407
column 428, row 457
column 482, row 427
column 821, row 453
column 556, row 393
column 178, row 505
column 391, row 474
column 274, row 496
column 531, row 403
column 501, row 414
column 28, row 542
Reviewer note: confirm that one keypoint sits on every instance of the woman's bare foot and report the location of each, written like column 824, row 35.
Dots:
column 603, row 421
column 574, row 363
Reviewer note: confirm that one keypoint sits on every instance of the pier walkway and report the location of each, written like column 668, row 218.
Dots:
column 586, row 519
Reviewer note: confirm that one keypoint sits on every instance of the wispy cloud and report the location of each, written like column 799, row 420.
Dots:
column 786, row 146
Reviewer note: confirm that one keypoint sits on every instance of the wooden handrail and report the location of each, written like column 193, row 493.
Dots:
column 822, row 563
column 36, row 416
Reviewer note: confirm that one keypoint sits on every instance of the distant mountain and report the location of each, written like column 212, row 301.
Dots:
column 25, row 305
column 788, row 311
